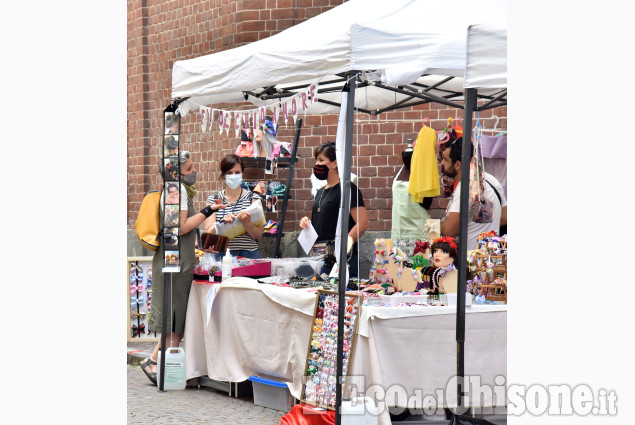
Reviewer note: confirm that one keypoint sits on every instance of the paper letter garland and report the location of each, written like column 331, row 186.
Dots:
column 203, row 119
column 285, row 112
column 221, row 122
column 294, row 109
column 252, row 118
column 237, row 117
column 228, row 118
column 274, row 117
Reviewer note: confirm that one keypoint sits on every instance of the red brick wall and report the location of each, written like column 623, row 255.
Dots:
column 161, row 32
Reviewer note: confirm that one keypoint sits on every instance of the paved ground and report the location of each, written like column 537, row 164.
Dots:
column 192, row 406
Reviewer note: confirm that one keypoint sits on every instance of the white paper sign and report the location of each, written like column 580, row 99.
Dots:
column 307, row 238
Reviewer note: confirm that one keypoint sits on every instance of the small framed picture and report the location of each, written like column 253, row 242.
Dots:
column 172, row 191
column 171, row 258
column 172, row 123
column 171, row 238
column 171, row 145
column 171, row 169
column 271, row 202
column 171, row 216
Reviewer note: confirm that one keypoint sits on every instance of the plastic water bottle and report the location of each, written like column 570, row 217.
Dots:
column 174, row 369
column 227, row 266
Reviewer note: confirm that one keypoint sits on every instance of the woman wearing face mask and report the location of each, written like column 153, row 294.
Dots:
column 325, row 209
column 234, row 200
column 182, row 281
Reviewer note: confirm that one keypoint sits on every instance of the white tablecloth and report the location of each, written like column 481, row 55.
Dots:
column 264, row 330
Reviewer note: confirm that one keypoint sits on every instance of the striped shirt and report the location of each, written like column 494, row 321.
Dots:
column 244, row 241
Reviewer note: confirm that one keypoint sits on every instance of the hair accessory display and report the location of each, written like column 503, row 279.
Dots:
column 319, row 387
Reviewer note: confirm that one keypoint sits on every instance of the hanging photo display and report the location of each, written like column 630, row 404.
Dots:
column 320, row 369
column 171, row 238
column 172, row 187
column 171, row 146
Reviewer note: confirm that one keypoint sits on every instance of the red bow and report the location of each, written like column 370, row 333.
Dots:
column 138, row 330
column 447, row 239
column 421, row 247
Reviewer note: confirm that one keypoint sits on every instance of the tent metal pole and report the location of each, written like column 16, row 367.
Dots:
column 420, row 95
column 498, row 97
column 466, row 153
column 167, row 283
column 345, row 190
column 495, row 105
column 296, row 140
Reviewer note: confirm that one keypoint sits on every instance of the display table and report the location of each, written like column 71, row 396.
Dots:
column 264, row 330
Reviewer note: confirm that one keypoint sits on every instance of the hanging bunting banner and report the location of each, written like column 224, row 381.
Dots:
column 285, row 113
column 246, row 120
column 274, row 117
column 304, row 105
column 237, row 117
column 313, row 92
column 251, row 119
column 263, row 114
column 221, row 121
column 204, row 112
column 228, row 118
column 294, row 109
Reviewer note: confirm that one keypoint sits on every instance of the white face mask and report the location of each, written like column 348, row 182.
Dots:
column 233, row 180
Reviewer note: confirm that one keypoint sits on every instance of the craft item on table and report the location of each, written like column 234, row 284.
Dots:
column 214, row 242
column 433, row 228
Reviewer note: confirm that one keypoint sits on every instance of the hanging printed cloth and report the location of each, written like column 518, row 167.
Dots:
column 424, row 171
column 480, row 208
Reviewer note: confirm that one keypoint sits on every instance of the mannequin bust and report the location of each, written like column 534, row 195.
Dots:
column 443, row 277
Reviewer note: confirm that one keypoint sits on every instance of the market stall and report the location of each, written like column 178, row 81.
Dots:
column 391, row 54
column 242, row 328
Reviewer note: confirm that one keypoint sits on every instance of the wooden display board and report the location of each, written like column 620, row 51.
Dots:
column 491, row 290
column 139, row 321
column 320, row 379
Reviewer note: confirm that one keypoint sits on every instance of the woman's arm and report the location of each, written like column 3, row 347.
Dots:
column 252, row 229
column 190, row 223
column 208, row 224
column 361, row 223
column 208, row 213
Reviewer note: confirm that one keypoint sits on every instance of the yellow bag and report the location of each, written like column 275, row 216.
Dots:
column 147, row 225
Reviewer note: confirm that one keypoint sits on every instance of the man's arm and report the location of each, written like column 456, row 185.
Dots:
column 450, row 226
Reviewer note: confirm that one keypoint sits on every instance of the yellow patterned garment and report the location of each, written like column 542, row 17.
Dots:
column 424, row 171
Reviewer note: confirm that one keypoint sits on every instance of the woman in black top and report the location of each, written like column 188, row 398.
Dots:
column 325, row 209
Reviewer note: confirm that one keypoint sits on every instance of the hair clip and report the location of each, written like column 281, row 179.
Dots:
column 138, row 330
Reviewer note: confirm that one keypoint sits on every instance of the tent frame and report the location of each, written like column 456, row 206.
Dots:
column 418, row 91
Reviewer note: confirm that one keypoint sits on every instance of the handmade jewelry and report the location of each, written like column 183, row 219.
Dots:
column 321, row 195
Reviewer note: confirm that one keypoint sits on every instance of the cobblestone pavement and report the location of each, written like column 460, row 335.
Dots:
column 192, row 406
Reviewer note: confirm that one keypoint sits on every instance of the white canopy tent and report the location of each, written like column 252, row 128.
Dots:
column 417, row 47
column 399, row 53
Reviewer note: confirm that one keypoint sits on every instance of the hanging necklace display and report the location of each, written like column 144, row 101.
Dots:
column 171, row 190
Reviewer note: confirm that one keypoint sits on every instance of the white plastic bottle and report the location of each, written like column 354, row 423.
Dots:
column 227, row 266
column 174, row 369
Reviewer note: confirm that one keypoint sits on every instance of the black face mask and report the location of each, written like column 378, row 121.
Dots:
column 321, row 172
